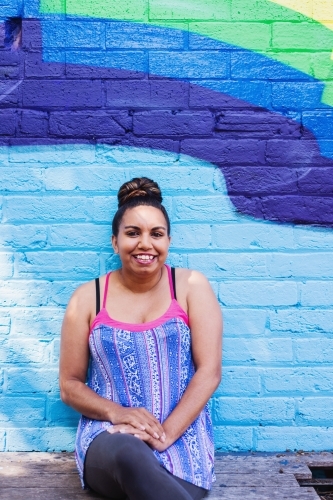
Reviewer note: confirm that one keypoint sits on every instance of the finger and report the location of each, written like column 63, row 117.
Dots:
column 121, row 428
column 151, row 424
column 154, row 422
column 154, row 431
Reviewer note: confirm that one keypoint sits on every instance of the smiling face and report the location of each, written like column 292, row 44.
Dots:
column 142, row 242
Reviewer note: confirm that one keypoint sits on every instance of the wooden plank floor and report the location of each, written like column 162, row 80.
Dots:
column 53, row 476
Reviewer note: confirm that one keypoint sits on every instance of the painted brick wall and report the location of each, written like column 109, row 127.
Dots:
column 228, row 105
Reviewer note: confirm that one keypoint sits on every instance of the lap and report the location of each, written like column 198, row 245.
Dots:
column 113, row 460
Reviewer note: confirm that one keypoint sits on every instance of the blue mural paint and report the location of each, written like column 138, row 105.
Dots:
column 266, row 157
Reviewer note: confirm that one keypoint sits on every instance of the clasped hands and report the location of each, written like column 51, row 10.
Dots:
column 142, row 424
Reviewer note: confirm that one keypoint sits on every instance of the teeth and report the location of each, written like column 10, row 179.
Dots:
column 145, row 257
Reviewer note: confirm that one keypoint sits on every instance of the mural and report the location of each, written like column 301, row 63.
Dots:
column 228, row 104
column 250, row 91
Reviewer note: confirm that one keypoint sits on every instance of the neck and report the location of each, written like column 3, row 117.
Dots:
column 140, row 284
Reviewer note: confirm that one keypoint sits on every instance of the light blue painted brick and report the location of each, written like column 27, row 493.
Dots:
column 61, row 292
column 24, row 351
column 314, row 351
column 145, row 36
column 302, row 321
column 306, row 265
column 64, row 154
column 19, row 410
column 203, row 209
column 57, row 265
column 313, row 238
column 6, row 265
column 21, row 179
column 239, row 381
column 135, row 157
column 257, row 293
column 257, row 351
column 315, row 411
column 226, row 265
column 5, row 323
column 176, row 259
column 190, row 236
column 27, row 293
column 61, row 414
column 89, row 178
column 36, row 439
column 233, row 438
column 2, row 440
column 297, row 381
column 57, row 208
column 32, row 380
column 80, row 236
column 193, row 65
column 260, row 236
column 214, row 285
column 109, row 262
column 73, row 34
column 194, row 180
column 243, row 322
column 273, row 439
column 23, row 236
column 316, row 293
column 55, row 352
column 271, row 411
column 39, row 321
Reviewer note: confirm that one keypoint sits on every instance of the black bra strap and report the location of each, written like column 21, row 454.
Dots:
column 173, row 275
column 98, row 296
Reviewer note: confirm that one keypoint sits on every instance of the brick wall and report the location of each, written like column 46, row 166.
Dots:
column 228, row 105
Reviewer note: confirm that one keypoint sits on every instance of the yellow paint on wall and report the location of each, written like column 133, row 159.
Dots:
column 319, row 10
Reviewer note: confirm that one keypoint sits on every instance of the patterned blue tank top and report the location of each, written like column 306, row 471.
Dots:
column 148, row 365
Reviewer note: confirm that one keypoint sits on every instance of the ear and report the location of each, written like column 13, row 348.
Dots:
column 114, row 243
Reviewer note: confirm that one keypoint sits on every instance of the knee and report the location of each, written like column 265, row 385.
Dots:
column 131, row 452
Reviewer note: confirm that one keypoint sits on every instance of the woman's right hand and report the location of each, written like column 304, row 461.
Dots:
column 140, row 419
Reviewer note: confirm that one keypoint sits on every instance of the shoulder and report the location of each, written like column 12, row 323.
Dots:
column 192, row 288
column 191, row 279
column 83, row 299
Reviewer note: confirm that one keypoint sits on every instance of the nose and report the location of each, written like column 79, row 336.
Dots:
column 144, row 242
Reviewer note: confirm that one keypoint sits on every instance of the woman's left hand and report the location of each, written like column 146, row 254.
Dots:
column 155, row 444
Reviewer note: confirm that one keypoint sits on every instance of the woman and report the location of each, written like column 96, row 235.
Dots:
column 151, row 357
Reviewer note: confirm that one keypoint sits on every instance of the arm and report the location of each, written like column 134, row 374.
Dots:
column 206, row 332
column 74, row 360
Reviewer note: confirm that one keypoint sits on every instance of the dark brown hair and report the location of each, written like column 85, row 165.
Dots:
column 136, row 192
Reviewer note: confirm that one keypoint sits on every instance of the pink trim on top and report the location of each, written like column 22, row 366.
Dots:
column 174, row 311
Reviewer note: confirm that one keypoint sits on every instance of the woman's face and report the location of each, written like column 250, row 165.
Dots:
column 142, row 242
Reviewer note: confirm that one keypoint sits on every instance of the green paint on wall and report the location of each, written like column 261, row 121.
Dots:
column 258, row 25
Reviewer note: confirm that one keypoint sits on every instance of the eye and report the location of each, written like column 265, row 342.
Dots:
column 132, row 233
column 157, row 234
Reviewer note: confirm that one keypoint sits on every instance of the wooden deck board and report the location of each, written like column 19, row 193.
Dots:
column 53, row 476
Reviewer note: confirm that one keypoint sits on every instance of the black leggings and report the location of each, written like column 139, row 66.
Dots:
column 121, row 466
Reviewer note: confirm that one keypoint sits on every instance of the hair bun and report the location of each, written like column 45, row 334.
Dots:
column 139, row 186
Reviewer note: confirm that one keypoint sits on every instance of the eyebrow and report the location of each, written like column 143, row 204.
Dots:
column 153, row 228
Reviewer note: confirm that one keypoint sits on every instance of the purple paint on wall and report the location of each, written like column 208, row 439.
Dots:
column 272, row 165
